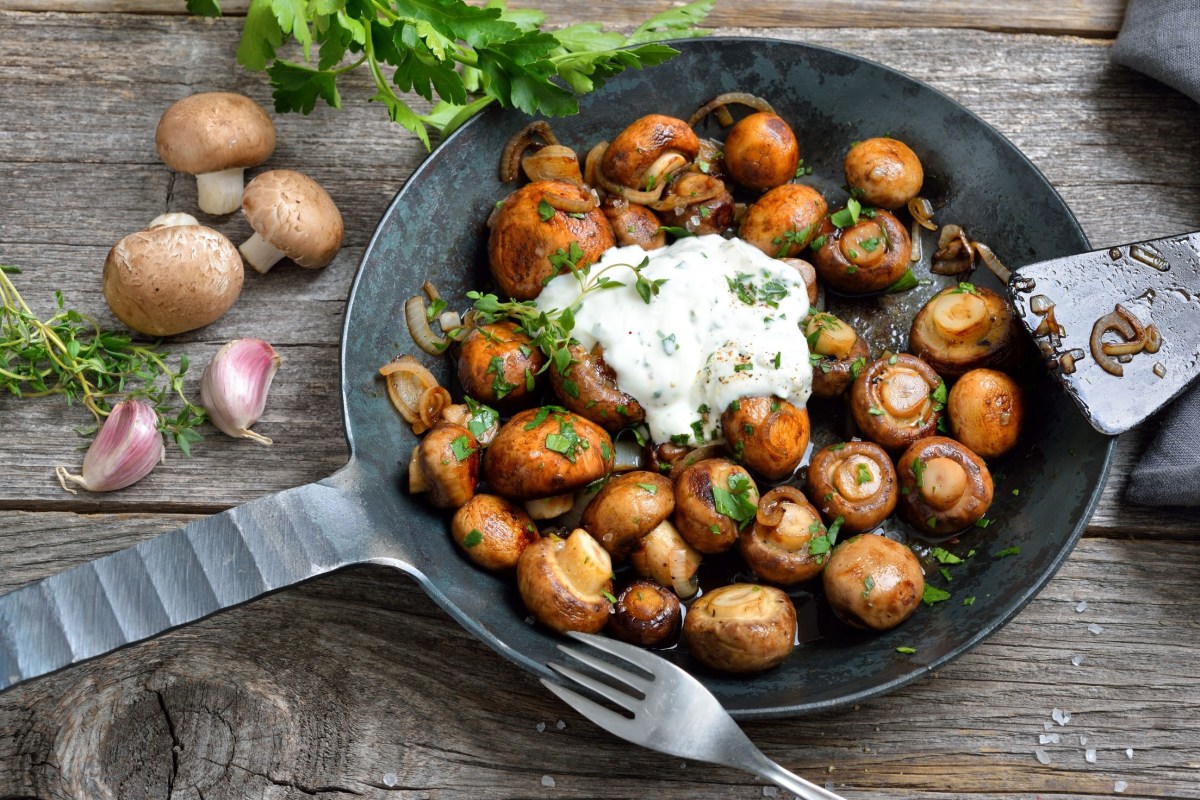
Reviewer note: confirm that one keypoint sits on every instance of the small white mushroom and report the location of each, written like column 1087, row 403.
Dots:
column 215, row 136
column 291, row 216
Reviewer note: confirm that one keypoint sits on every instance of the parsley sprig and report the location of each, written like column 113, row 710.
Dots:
column 69, row 354
column 468, row 56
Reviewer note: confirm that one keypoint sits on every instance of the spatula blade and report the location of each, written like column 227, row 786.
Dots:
column 1147, row 283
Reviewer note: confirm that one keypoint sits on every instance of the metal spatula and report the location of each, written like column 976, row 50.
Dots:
column 1120, row 327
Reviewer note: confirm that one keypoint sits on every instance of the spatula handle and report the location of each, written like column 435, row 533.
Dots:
column 173, row 579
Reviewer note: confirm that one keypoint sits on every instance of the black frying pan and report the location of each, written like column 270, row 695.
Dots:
column 434, row 230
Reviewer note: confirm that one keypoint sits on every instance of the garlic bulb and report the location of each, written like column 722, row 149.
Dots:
column 235, row 385
column 128, row 446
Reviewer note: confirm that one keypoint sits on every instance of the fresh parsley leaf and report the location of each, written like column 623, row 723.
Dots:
column 908, row 651
column 204, row 8
column 545, row 210
column 933, row 595
column 734, row 501
column 676, row 231
column 1008, row 551
column 461, row 447
column 902, row 284
column 472, row 538
column 652, row 488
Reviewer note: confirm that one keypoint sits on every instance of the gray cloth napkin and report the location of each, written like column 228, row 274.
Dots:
column 1162, row 39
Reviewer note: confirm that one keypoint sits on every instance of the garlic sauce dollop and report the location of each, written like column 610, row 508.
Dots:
column 724, row 325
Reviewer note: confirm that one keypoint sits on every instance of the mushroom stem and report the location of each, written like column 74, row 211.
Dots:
column 259, row 253
column 219, row 192
column 172, row 219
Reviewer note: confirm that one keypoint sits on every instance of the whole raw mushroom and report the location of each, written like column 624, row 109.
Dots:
column 215, row 136
column 170, row 279
column 291, row 216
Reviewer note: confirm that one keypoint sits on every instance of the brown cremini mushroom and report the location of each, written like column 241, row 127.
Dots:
column 648, row 152
column 948, row 486
column 987, row 412
column 873, row 582
column 663, row 556
column 492, row 531
column 837, row 353
column 741, row 628
column 809, row 274
column 779, row 545
column 215, row 136
column 589, row 388
column 897, row 400
column 854, row 481
column 647, row 615
column 626, row 509
column 172, row 278
column 566, row 583
column 633, row 224
column 698, row 203
column 783, row 221
column 499, row 366
column 768, row 435
column 866, row 256
column 883, row 172
column 703, row 523
column 761, row 151
column 964, row 327
column 446, row 465
column 546, row 451
column 291, row 216
column 539, row 222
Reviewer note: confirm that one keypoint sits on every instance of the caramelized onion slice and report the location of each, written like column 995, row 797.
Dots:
column 418, row 327
column 552, row 163
column 989, row 258
column 433, row 402
column 522, row 140
column 954, row 255
column 407, row 383
column 922, row 213
column 722, row 100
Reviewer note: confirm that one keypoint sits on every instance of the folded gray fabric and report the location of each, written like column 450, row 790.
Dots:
column 1162, row 39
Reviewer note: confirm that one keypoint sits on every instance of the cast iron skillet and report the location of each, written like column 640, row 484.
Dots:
column 434, row 230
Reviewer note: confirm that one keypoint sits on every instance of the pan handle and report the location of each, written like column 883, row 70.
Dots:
column 179, row 577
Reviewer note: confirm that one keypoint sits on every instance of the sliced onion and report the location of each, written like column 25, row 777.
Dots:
column 722, row 100
column 549, row 507
column 666, row 165
column 632, row 195
column 699, row 454
column 1120, row 323
column 692, row 188
column 433, row 402
column 922, row 213
column 955, row 254
column 522, row 140
column 570, row 205
column 770, row 506
column 418, row 327
column 450, row 320
column 917, row 251
column 552, row 163
column 407, row 382
column 684, row 568
column 591, row 164
column 1153, row 339
column 626, row 455
column 989, row 258
column 416, row 474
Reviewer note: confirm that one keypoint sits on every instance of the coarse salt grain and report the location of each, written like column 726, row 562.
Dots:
column 390, row 779
column 1096, row 629
column 770, row 791
column 1061, row 716
column 1042, row 756
column 560, row 725
column 547, row 781
column 1077, row 661
column 1049, row 738
column 1129, row 752
column 1082, row 607
column 1082, row 740
column 541, row 726
column 1089, row 755
column 1120, row 786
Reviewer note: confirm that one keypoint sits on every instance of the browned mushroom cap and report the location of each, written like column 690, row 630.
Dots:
column 854, row 481
column 884, row 172
column 897, row 400
column 633, row 224
column 741, row 628
column 837, row 351
column 498, row 365
column 521, row 243
column 662, row 458
column 778, row 546
column 546, row 451
column 987, row 412
column 703, row 523
column 663, row 556
column 809, row 273
column 867, row 256
column 649, row 151
column 761, row 151
column 964, row 327
column 873, row 582
column 948, row 486
column 697, row 203
column 566, row 583
column 768, row 435
column 172, row 279
column 784, row 220
column 647, row 615
column 445, row 464
column 626, row 509
column 492, row 531
column 590, row 390
column 215, row 136
column 291, row 216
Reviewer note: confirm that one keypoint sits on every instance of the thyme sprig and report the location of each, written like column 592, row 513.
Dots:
column 69, row 354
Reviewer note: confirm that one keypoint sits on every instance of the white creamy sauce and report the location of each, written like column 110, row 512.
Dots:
column 724, row 325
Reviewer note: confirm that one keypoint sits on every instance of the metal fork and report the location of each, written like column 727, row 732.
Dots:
column 675, row 714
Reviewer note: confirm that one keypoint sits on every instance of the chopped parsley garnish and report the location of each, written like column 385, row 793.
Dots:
column 934, row 595
column 819, row 242
column 870, row 245
column 862, row 474
column 969, row 601
column 482, row 417
column 982, row 522
column 964, row 288
column 566, row 442
column 945, row 572
column 778, row 360
column 609, row 596
column 500, row 387
column 932, row 523
column 652, row 488
column 917, row 468
column 908, row 651
column 944, row 556
column 734, row 501
column 676, row 231
column 823, row 540
column 742, row 367
column 529, row 384
column 874, row 411
column 868, row 585
column 838, row 446
column 902, row 284
column 856, row 366
column 605, row 451
column 1008, row 551
column 847, row 216
column 435, row 308
column 472, row 538
column 795, row 237
column 461, row 447
column 545, row 211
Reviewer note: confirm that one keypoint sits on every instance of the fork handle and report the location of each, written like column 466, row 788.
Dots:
column 805, row 790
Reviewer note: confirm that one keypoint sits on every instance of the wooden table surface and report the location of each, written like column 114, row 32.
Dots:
column 356, row 684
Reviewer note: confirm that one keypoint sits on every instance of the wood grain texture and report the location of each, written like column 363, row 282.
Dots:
column 357, row 685
column 1079, row 17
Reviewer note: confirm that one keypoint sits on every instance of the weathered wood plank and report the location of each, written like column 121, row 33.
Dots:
column 347, row 684
column 1117, row 145
column 1081, row 17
